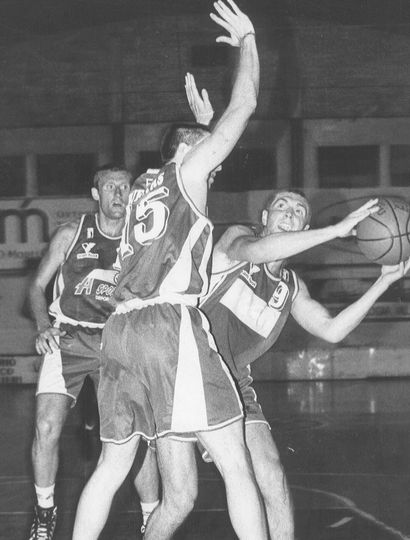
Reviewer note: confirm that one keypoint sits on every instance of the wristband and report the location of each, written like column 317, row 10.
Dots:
column 247, row 34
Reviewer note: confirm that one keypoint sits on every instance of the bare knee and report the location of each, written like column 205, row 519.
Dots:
column 48, row 430
column 180, row 495
column 236, row 464
column 181, row 503
column 270, row 474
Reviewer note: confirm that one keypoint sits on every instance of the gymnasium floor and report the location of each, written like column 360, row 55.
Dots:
column 345, row 446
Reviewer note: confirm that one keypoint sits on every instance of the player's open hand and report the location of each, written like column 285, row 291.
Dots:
column 234, row 21
column 346, row 227
column 394, row 272
column 47, row 342
column 199, row 103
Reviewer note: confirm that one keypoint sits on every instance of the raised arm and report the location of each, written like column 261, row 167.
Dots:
column 316, row 320
column 239, row 243
column 211, row 152
column 49, row 264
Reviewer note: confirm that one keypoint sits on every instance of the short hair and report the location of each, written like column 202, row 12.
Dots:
column 273, row 196
column 109, row 167
column 188, row 133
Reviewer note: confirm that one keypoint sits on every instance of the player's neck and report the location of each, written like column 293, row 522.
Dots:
column 110, row 227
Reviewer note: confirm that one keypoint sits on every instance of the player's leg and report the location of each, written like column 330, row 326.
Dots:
column 51, row 414
column 271, row 480
column 146, row 480
column 177, row 466
column 95, row 501
column 227, row 448
column 125, row 415
column 266, row 463
column 59, row 384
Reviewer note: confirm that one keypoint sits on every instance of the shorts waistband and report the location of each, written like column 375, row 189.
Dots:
column 77, row 324
column 137, row 303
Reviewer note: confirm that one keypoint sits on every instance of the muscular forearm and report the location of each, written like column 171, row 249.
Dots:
column 38, row 307
column 278, row 246
column 348, row 319
column 246, row 84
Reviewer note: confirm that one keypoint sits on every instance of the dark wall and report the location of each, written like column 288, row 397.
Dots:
column 132, row 71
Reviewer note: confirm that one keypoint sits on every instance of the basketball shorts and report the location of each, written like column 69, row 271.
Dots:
column 64, row 370
column 162, row 375
column 252, row 409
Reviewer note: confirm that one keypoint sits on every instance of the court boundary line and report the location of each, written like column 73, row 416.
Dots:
column 349, row 504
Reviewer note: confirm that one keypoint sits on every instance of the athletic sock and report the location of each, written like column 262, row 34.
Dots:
column 147, row 509
column 45, row 496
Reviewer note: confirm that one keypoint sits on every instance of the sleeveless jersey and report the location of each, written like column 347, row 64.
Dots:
column 248, row 307
column 166, row 242
column 86, row 280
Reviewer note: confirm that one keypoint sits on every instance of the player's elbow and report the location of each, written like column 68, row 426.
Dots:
column 250, row 104
column 332, row 338
column 332, row 334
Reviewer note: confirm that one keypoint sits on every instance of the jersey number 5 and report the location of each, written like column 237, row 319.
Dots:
column 151, row 205
column 149, row 208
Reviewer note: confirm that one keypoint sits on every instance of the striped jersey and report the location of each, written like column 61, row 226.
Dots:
column 85, row 281
column 247, row 307
column 166, row 242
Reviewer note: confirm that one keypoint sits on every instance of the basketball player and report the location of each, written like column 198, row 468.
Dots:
column 251, row 294
column 161, row 374
column 83, row 253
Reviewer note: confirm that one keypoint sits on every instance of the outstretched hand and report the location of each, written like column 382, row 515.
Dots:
column 234, row 21
column 346, row 227
column 395, row 272
column 199, row 103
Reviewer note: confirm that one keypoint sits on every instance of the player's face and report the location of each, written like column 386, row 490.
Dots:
column 113, row 192
column 288, row 212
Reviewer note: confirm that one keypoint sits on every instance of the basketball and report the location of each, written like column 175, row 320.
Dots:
column 384, row 237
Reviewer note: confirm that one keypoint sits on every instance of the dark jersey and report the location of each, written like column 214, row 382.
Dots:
column 86, row 280
column 166, row 242
column 247, row 307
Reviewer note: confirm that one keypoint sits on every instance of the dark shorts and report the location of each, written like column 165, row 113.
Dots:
column 161, row 375
column 252, row 409
column 64, row 371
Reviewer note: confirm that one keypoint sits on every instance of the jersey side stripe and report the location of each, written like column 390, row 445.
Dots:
column 204, row 265
column 179, row 277
column 296, row 284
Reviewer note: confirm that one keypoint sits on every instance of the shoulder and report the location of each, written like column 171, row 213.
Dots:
column 222, row 257
column 64, row 235
column 234, row 236
column 233, row 233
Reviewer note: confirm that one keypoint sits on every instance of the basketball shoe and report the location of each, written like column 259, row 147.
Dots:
column 44, row 523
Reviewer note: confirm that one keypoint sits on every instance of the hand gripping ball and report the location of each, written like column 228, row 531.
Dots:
column 384, row 237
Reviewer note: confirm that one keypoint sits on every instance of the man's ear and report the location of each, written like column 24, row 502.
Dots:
column 264, row 217
column 94, row 193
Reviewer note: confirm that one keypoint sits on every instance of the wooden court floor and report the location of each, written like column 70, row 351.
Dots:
column 345, row 446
